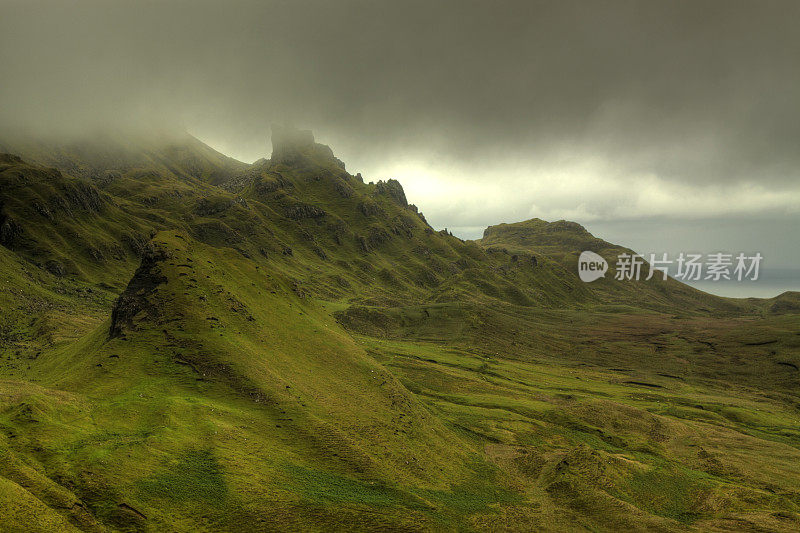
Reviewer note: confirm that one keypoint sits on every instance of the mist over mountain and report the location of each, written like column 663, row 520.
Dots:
column 371, row 266
column 191, row 342
column 678, row 111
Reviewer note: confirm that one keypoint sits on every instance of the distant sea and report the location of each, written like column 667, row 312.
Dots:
column 771, row 282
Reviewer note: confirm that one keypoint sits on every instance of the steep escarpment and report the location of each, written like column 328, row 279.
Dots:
column 199, row 344
column 297, row 209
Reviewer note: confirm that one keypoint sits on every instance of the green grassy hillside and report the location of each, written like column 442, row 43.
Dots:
column 563, row 242
column 189, row 343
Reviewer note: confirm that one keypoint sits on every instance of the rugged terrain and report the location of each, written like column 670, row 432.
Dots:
column 191, row 343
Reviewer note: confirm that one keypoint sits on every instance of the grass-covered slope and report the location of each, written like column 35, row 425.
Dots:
column 215, row 386
column 563, row 241
column 189, row 343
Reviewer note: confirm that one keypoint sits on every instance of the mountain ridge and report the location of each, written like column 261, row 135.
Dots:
column 280, row 345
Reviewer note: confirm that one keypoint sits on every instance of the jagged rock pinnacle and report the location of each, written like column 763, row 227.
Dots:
column 287, row 139
column 290, row 144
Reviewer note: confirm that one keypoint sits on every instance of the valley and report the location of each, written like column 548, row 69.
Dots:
column 191, row 343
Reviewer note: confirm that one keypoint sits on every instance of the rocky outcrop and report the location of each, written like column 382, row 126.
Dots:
column 10, row 159
column 291, row 146
column 136, row 300
column 55, row 268
column 79, row 196
column 402, row 225
column 343, row 189
column 9, row 230
column 393, row 190
column 536, row 232
column 135, row 242
column 301, row 211
column 377, row 236
column 370, row 208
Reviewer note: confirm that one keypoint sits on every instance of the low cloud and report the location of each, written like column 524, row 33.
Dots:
column 487, row 112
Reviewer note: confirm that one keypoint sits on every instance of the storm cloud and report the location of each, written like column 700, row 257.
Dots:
column 487, row 111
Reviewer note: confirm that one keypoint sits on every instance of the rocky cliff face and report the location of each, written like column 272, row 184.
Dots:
column 300, row 204
column 291, row 145
column 135, row 302
column 392, row 189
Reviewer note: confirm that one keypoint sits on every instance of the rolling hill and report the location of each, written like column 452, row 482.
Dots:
column 190, row 343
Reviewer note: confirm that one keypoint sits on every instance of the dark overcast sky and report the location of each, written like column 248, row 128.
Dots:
column 657, row 112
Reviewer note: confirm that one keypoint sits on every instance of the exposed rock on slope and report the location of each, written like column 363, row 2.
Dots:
column 297, row 349
column 136, row 299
